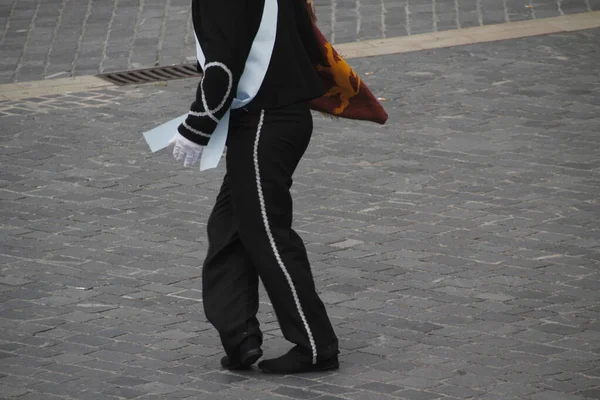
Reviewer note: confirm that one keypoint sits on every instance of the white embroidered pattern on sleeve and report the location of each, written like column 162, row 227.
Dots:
column 195, row 131
column 263, row 210
column 210, row 112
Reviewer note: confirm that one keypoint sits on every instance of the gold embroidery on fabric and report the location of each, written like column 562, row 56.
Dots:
column 347, row 82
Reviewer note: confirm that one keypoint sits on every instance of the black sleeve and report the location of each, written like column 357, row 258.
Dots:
column 221, row 27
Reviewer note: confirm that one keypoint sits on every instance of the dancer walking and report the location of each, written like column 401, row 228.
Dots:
column 260, row 63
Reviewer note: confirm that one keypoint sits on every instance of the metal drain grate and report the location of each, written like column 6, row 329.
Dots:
column 156, row 74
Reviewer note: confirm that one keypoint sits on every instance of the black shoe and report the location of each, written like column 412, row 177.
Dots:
column 294, row 362
column 248, row 353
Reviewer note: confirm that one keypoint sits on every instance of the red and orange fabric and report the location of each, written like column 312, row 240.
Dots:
column 347, row 95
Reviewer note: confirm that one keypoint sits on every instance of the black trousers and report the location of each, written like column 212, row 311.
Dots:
column 250, row 236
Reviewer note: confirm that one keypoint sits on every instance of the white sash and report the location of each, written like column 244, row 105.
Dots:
column 248, row 86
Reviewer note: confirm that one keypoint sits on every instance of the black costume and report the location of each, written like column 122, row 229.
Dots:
column 250, row 228
column 225, row 30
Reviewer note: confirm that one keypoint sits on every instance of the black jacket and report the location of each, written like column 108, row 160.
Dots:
column 226, row 30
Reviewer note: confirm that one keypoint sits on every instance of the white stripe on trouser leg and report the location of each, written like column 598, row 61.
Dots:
column 263, row 210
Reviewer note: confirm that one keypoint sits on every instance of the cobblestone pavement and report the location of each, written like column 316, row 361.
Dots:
column 457, row 248
column 60, row 38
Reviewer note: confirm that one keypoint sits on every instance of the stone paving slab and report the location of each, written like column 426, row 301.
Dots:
column 457, row 247
column 62, row 38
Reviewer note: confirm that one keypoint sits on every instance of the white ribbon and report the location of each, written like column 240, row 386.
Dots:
column 248, row 86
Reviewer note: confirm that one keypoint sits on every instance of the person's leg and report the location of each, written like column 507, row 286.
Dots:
column 261, row 159
column 230, row 286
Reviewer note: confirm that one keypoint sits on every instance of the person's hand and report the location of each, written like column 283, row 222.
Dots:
column 186, row 150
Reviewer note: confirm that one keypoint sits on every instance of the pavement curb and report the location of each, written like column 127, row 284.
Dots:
column 27, row 90
column 370, row 48
column 465, row 36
